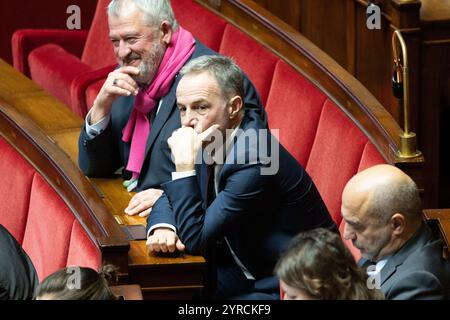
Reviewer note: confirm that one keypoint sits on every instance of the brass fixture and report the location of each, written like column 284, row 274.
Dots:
column 408, row 145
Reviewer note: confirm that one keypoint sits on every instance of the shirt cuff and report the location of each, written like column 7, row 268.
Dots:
column 182, row 174
column 95, row 129
column 161, row 225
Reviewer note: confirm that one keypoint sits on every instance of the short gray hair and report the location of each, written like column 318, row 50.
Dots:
column 390, row 198
column 226, row 72
column 155, row 11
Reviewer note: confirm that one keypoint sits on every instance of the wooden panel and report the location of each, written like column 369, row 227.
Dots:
column 435, row 10
column 128, row 292
column 155, row 271
column 439, row 221
column 374, row 60
column 287, row 10
column 67, row 140
column 324, row 22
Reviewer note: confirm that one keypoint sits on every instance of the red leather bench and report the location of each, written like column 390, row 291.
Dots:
column 48, row 205
column 39, row 219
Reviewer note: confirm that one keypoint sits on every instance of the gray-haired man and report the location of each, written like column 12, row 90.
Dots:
column 135, row 111
column 237, row 214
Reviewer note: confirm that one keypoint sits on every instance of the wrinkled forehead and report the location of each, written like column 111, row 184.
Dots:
column 355, row 206
column 198, row 83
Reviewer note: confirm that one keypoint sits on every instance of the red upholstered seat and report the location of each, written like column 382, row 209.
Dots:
column 320, row 136
column 256, row 61
column 335, row 159
column 206, row 26
column 39, row 219
column 82, row 251
column 294, row 106
column 62, row 68
column 370, row 157
column 46, row 70
column 17, row 176
column 48, row 230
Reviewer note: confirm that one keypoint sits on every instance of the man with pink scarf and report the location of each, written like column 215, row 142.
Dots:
column 135, row 111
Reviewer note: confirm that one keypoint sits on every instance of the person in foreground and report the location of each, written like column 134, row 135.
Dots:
column 382, row 210
column 78, row 283
column 135, row 112
column 241, row 198
column 318, row 266
column 18, row 277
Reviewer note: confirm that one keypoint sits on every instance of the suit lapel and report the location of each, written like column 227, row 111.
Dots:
column 395, row 261
column 388, row 270
column 162, row 116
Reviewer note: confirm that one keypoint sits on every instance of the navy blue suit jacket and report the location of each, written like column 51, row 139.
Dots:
column 106, row 153
column 258, row 214
column 417, row 271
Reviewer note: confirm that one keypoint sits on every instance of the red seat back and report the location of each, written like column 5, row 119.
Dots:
column 294, row 106
column 206, row 26
column 98, row 51
column 40, row 220
column 16, row 188
column 256, row 61
column 320, row 136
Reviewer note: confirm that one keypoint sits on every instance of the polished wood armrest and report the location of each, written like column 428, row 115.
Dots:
column 439, row 220
column 128, row 291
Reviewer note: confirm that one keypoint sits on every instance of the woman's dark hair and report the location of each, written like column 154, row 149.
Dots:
column 79, row 283
column 318, row 263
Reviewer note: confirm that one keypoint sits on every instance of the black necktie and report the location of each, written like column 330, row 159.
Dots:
column 210, row 253
column 210, row 188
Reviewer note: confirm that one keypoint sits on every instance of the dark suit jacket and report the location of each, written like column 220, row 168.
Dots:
column 259, row 214
column 106, row 153
column 18, row 278
column 417, row 270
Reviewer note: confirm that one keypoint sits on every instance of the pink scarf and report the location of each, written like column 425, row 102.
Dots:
column 137, row 129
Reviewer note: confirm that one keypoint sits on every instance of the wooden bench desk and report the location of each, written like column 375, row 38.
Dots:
column 176, row 276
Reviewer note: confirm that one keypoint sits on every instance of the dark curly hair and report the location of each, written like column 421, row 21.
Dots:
column 79, row 283
column 318, row 263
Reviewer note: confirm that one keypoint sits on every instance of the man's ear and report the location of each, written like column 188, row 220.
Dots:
column 398, row 223
column 166, row 32
column 235, row 106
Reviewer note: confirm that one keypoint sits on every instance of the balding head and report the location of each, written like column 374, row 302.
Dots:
column 382, row 208
column 383, row 190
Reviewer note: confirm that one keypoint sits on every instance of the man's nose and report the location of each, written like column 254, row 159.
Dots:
column 348, row 233
column 188, row 119
column 123, row 51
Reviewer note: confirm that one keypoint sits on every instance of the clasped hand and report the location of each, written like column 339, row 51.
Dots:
column 185, row 144
column 164, row 240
